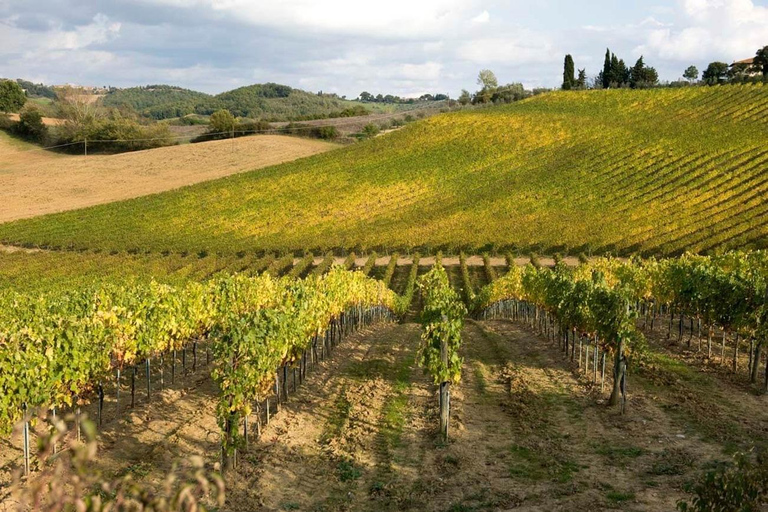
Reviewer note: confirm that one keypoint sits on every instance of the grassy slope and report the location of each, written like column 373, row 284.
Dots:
column 658, row 171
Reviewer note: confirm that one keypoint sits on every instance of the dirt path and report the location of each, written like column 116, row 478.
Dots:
column 352, row 439
column 533, row 435
column 528, row 432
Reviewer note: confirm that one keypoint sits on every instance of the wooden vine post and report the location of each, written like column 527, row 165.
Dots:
column 445, row 392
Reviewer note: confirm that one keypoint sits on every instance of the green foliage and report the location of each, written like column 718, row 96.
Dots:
column 697, row 185
column 716, row 73
column 160, row 101
column 37, row 90
column 56, row 347
column 642, row 76
column 370, row 130
column 442, row 321
column 569, row 78
column 741, row 486
column 761, row 60
column 223, row 121
column 691, row 73
column 12, row 96
column 269, row 102
column 30, row 125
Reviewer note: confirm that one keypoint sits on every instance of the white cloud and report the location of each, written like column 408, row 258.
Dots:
column 396, row 18
column 712, row 29
column 16, row 40
column 523, row 48
column 483, row 17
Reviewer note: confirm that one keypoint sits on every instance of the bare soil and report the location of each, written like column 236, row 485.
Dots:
column 37, row 182
column 529, row 431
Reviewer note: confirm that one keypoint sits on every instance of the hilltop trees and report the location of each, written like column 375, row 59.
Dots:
column 761, row 61
column 581, row 82
column 569, row 80
column 691, row 74
column 642, row 76
column 12, row 96
column 605, row 75
column 615, row 72
column 716, row 73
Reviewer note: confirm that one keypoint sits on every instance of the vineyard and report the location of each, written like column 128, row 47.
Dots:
column 655, row 172
column 669, row 352
column 373, row 329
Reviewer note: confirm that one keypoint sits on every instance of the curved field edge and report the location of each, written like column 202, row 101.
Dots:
column 620, row 171
column 36, row 182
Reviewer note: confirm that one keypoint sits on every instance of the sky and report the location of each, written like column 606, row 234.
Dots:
column 401, row 47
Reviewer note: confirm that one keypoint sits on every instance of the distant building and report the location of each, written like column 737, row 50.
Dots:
column 745, row 67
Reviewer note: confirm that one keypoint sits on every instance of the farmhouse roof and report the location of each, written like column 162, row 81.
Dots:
column 745, row 61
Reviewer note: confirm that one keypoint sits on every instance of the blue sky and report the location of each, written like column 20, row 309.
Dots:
column 347, row 46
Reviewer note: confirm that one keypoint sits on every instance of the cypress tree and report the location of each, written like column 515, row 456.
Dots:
column 581, row 82
column 607, row 69
column 614, row 76
column 637, row 74
column 569, row 80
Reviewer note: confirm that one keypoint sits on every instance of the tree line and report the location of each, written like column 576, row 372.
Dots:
column 617, row 74
column 367, row 97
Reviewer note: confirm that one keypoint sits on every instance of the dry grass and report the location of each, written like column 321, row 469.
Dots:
column 48, row 121
column 39, row 182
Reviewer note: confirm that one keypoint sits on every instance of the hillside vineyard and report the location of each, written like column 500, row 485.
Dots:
column 620, row 171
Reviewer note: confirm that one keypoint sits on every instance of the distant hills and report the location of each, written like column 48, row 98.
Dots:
column 268, row 102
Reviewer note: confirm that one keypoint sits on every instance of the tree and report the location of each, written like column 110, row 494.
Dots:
column 715, row 73
column 510, row 93
column 606, row 74
column 620, row 72
column 581, row 82
column 569, row 80
column 642, row 76
column 465, row 98
column 637, row 73
column 12, row 96
column 366, row 96
column 487, row 79
column 222, row 121
column 31, row 123
column 691, row 74
column 761, row 61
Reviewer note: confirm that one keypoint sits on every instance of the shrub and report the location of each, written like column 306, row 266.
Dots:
column 30, row 125
column 741, row 486
column 326, row 132
column 370, row 130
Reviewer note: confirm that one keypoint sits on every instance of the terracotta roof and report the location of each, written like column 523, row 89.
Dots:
column 745, row 61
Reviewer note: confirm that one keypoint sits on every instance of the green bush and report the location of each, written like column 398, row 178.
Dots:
column 741, row 486
column 370, row 130
column 326, row 133
column 30, row 125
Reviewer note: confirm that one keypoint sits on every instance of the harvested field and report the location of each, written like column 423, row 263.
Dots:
column 36, row 182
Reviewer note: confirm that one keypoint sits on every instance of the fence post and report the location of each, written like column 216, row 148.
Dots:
column 26, row 439
column 445, row 395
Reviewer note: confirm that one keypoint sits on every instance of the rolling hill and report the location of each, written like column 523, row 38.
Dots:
column 653, row 172
column 271, row 102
